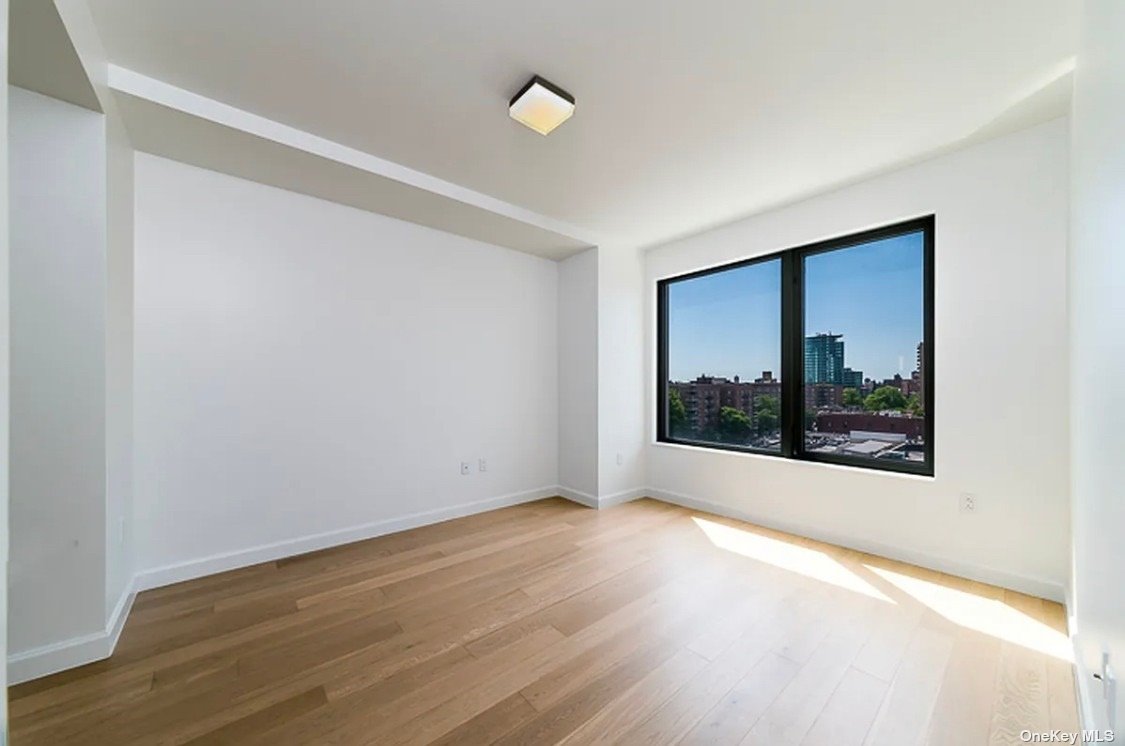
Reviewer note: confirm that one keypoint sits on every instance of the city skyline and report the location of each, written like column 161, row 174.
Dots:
column 729, row 323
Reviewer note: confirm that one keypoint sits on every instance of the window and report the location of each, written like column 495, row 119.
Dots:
column 822, row 352
column 721, row 322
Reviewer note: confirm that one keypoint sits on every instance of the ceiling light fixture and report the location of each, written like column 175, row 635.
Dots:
column 541, row 105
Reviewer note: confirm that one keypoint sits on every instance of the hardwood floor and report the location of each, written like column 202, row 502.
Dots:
column 552, row 623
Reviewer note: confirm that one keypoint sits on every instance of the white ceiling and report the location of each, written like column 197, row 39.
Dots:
column 41, row 57
column 689, row 114
column 182, row 136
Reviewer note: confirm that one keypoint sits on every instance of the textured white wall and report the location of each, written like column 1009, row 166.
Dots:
column 1000, row 371
column 1097, row 348
column 58, row 369
column 304, row 367
column 578, row 372
column 119, row 361
column 622, row 393
column 4, row 378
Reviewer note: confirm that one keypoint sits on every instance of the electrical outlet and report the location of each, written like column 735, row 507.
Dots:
column 466, row 467
column 482, row 465
column 968, row 502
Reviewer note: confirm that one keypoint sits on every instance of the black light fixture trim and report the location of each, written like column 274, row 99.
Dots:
column 546, row 84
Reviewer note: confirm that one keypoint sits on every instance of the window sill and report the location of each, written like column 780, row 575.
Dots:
column 779, row 459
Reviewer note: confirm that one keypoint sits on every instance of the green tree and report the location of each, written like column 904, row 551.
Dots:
column 734, row 425
column 852, row 398
column 767, row 413
column 914, row 406
column 677, row 413
column 810, row 419
column 885, row 397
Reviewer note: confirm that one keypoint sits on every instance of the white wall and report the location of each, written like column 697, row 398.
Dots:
column 622, row 394
column 119, row 362
column 305, row 368
column 578, row 374
column 601, row 376
column 58, row 371
column 4, row 378
column 117, row 208
column 1000, row 371
column 1097, row 348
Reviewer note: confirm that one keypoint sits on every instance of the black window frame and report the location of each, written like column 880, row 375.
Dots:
column 792, row 348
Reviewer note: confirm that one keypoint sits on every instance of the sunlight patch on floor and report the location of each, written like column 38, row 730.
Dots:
column 793, row 557
column 988, row 615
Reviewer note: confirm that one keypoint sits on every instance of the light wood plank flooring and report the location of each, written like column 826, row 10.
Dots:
column 552, row 623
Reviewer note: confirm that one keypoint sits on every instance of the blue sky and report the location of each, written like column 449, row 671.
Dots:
column 729, row 323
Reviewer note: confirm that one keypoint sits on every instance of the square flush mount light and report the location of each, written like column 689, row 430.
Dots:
column 541, row 105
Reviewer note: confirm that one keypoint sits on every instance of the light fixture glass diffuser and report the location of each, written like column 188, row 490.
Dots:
column 541, row 106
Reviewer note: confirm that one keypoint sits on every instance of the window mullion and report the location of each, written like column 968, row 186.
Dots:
column 791, row 430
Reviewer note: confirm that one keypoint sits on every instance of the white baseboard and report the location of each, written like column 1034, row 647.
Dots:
column 198, row 568
column 1024, row 584
column 1082, row 675
column 77, row 651
column 607, row 501
column 1086, row 719
column 1093, row 708
column 577, row 496
column 622, row 497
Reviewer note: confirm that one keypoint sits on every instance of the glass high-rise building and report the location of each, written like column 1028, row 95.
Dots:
column 824, row 359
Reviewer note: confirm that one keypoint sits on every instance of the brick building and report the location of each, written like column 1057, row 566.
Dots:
column 823, row 395
column 705, row 397
column 848, row 422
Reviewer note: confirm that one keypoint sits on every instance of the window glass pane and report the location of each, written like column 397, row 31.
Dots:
column 724, row 357
column 865, row 380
